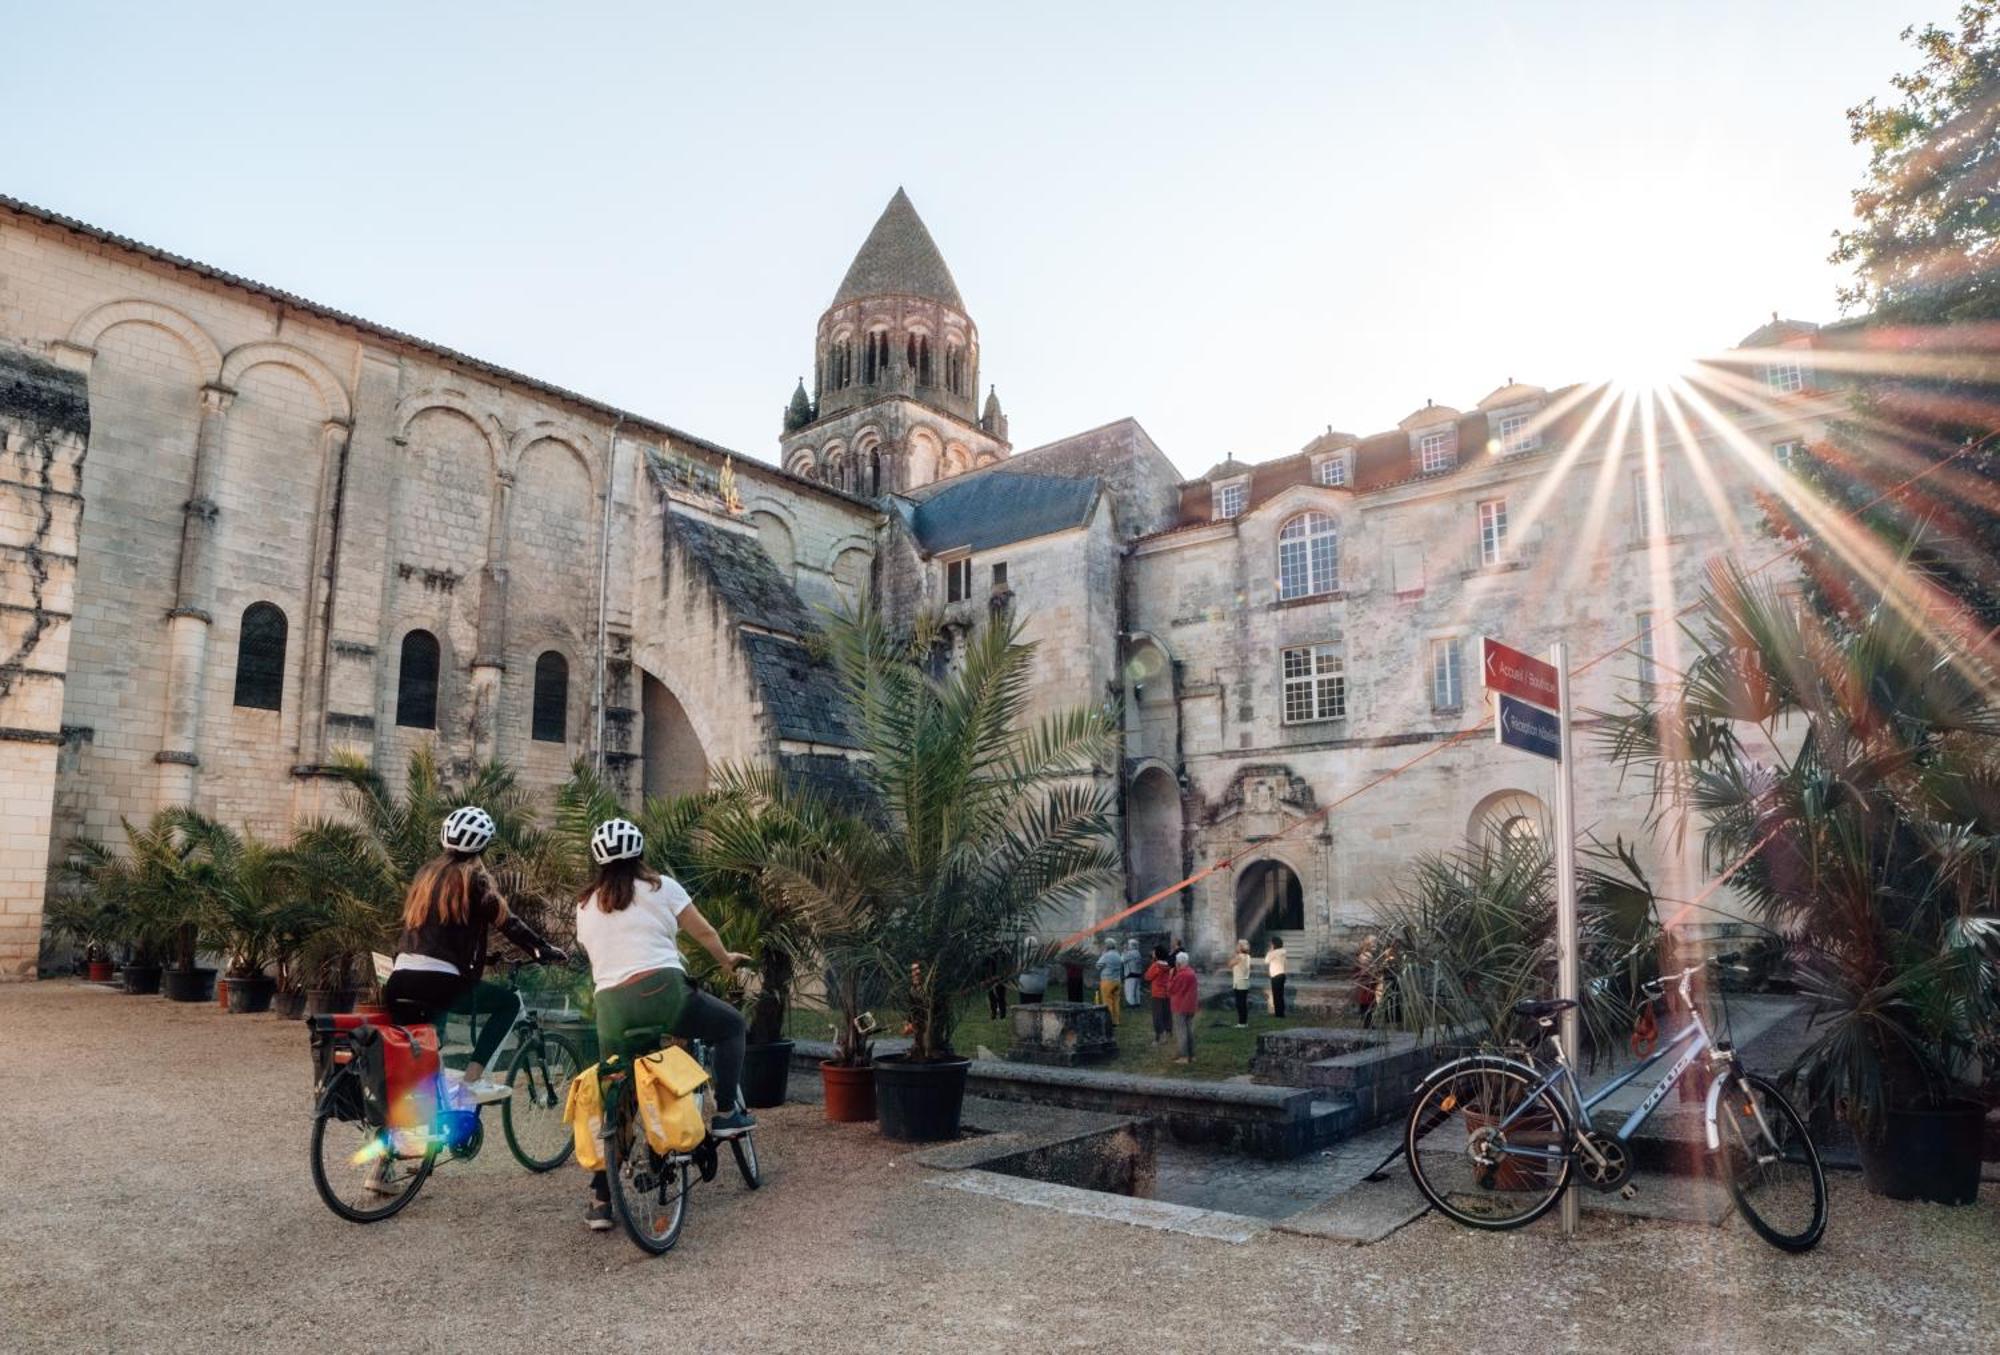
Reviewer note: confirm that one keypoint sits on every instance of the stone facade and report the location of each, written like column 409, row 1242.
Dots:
column 414, row 547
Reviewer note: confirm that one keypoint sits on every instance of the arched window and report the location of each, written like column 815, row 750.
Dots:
column 551, row 719
column 417, row 681
column 260, row 658
column 1308, row 556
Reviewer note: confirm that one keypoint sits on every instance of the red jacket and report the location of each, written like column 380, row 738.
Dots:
column 1184, row 992
column 1156, row 977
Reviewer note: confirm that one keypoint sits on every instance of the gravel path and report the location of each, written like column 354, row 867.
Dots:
column 154, row 1196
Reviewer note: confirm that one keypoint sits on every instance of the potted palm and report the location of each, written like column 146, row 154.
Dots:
column 157, row 888
column 987, row 825
column 253, row 889
column 89, row 921
column 1873, row 849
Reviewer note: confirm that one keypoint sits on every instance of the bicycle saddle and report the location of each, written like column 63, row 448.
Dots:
column 1540, row 1008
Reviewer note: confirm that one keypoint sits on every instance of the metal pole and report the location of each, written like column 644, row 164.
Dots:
column 1566, row 959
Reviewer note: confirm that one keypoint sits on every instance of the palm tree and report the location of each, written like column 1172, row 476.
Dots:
column 982, row 823
column 1855, row 762
column 162, row 885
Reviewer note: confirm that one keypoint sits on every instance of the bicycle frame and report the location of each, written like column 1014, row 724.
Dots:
column 1691, row 1040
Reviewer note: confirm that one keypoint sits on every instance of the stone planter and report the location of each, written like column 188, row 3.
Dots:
column 1063, row 1033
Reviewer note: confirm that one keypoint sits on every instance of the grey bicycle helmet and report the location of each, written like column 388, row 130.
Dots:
column 467, row 829
column 616, row 840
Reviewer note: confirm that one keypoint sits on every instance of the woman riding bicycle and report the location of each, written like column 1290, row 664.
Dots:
column 446, row 914
column 629, row 922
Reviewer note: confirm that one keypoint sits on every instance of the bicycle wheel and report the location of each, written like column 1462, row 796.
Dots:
column 1486, row 1148
column 648, row 1193
column 358, row 1170
column 1769, row 1160
column 745, row 1148
column 533, row 1119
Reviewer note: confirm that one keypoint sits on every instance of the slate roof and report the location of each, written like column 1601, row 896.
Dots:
column 801, row 693
column 992, row 510
column 899, row 258
column 836, row 779
column 742, row 575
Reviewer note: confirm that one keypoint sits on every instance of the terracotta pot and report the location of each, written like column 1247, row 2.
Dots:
column 99, row 971
column 850, row 1092
column 222, row 992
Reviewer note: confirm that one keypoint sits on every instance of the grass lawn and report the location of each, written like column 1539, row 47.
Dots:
column 1221, row 1051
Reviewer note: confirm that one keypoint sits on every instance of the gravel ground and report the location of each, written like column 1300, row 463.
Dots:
column 154, row 1196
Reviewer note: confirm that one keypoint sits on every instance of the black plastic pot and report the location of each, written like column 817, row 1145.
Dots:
column 289, row 1005
column 142, row 978
column 251, row 994
column 188, row 985
column 766, row 1069
column 329, row 1001
column 919, row 1102
column 1929, row 1155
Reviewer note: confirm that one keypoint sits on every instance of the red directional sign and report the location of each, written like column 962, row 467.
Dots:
column 1519, row 675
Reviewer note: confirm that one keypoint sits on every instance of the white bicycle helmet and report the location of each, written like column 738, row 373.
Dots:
column 467, row 829
column 616, row 840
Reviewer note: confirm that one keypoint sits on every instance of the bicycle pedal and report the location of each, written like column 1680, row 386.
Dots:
column 1628, row 1192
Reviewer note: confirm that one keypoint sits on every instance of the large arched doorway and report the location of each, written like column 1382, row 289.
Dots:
column 1153, row 820
column 1269, row 898
column 1509, row 820
column 671, row 756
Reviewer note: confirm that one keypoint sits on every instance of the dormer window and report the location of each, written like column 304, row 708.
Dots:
column 1516, row 434
column 1437, row 451
column 1230, row 498
column 1333, row 469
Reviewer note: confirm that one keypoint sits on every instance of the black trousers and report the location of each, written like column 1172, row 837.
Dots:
column 996, row 1000
column 1163, row 1017
column 419, row 997
column 1277, row 995
column 1242, row 996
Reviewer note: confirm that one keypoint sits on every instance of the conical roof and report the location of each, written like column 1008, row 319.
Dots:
column 899, row 258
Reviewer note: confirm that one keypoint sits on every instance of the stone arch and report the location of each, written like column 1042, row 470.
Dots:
column 1151, row 714
column 774, row 534
column 957, row 459
column 317, row 374
column 925, row 454
column 850, row 570
column 578, row 445
column 552, row 526
column 1509, row 815
column 488, row 427
column 207, row 356
column 1153, row 818
column 445, row 505
column 673, row 760
column 986, row 459
column 1270, row 897
column 802, row 463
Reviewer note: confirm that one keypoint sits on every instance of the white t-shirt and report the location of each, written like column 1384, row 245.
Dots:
column 637, row 939
column 1275, row 958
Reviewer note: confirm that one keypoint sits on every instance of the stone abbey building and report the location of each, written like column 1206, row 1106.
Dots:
column 241, row 532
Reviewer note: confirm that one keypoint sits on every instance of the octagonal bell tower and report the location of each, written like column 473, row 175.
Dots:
column 895, row 391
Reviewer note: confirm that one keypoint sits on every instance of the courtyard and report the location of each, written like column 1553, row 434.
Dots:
column 154, row 1195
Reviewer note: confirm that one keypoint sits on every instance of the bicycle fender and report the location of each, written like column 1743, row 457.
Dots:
column 1708, row 1112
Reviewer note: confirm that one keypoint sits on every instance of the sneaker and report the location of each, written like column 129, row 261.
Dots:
column 377, row 1181
column 486, row 1091
column 597, row 1217
column 735, row 1123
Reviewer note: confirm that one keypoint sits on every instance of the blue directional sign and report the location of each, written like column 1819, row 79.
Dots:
column 1529, row 728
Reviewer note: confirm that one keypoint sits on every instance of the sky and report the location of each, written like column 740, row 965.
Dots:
column 1239, row 224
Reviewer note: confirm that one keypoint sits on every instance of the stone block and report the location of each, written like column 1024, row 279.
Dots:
column 1062, row 1033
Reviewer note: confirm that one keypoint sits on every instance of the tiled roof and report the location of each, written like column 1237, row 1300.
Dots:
column 43, row 393
column 742, row 575
column 899, row 258
column 992, row 510
column 801, row 693
column 836, row 779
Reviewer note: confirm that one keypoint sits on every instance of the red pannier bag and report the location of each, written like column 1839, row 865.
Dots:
column 397, row 1066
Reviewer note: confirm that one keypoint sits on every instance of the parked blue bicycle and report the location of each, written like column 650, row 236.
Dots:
column 1494, row 1141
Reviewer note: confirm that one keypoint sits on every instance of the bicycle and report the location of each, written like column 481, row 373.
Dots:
column 1493, row 1141
column 649, row 1190
column 365, row 1170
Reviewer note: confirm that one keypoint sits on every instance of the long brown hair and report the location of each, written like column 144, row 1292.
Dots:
column 616, row 881
column 442, row 891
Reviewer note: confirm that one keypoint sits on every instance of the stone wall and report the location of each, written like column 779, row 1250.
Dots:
column 44, row 433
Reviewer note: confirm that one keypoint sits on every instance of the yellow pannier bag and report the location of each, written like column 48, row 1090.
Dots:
column 670, row 1106
column 583, row 1112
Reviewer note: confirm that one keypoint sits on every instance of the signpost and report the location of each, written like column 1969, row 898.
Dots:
column 1531, row 713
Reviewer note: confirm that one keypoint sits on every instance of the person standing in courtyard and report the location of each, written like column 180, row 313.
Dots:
column 1134, row 964
column 1111, row 980
column 995, row 974
column 1184, row 997
column 1156, row 977
column 1239, row 983
column 1274, row 962
column 1033, row 980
